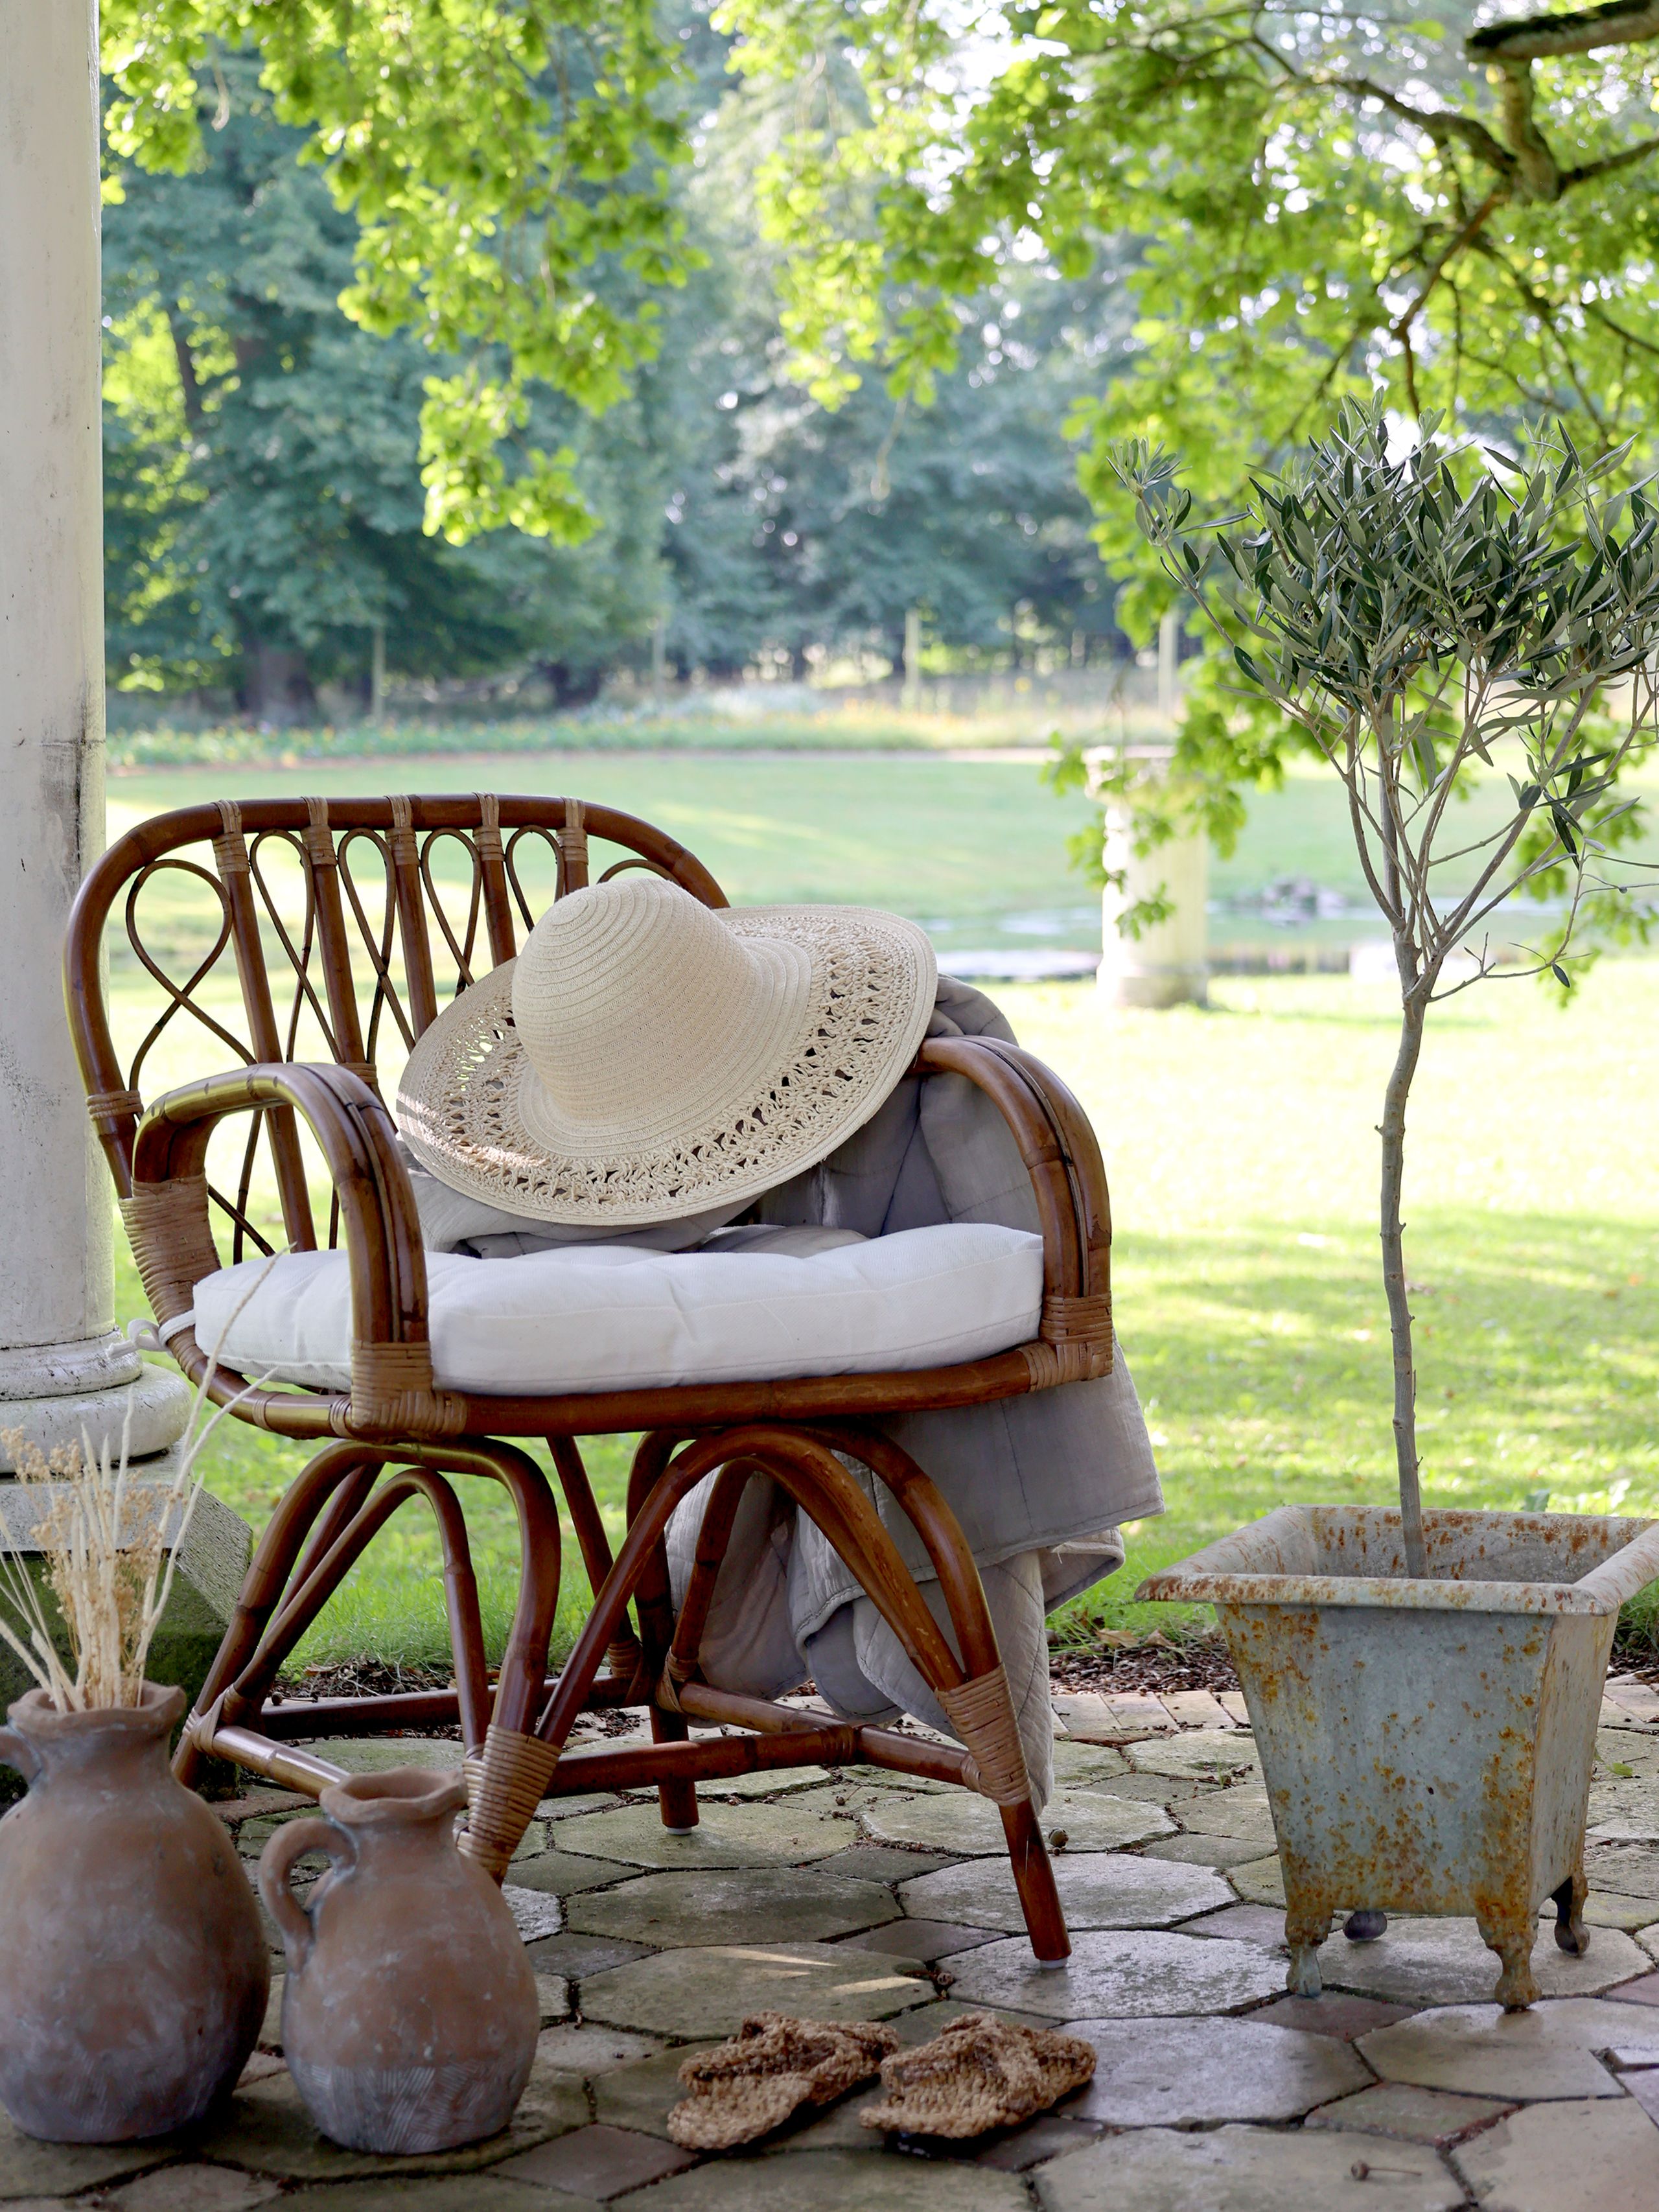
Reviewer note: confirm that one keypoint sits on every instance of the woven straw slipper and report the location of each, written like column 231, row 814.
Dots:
column 771, row 2066
column 977, row 2074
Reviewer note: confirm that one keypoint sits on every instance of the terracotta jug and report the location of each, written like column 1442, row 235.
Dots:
column 409, row 2013
column 133, row 1969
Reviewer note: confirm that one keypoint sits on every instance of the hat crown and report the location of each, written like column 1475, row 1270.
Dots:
column 620, row 982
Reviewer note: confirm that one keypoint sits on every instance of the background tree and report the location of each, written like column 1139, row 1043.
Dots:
column 264, row 494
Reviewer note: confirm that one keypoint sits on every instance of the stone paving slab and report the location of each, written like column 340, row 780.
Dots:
column 566, row 1808
column 29, row 2169
column 536, row 1912
column 1207, row 1850
column 1203, row 1755
column 750, row 1905
column 587, row 2051
column 1625, row 1811
column 1252, row 1924
column 575, row 1956
column 188, row 2187
column 1098, row 1889
column 266, row 2129
column 599, row 2161
column 562, row 1874
column 1481, row 2050
column 1558, row 2156
column 638, row 2096
column 868, row 1862
column 1430, row 1962
column 1242, row 1810
column 1086, row 1765
column 920, row 1939
column 1112, row 1976
column 1160, row 1789
column 776, row 1782
column 1644, row 1991
column 1411, row 2114
column 1259, row 1881
column 709, row 1991
column 834, row 2181
column 1331, row 2013
column 1190, row 2073
column 474, row 2192
column 1237, row 2169
column 787, row 1833
column 1632, row 1870
column 963, row 1824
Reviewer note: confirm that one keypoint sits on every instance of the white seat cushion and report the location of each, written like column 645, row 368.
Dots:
column 596, row 1317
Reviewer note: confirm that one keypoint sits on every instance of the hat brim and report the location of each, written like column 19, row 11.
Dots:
column 872, row 978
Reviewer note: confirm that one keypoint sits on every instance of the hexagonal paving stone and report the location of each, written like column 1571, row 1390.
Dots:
column 790, row 1832
column 708, row 1992
column 1557, row 2156
column 1115, row 1976
column 587, row 2052
column 834, row 2181
column 963, row 1822
column 562, row 1874
column 1546, row 2051
column 1086, row 1765
column 598, row 2161
column 1206, row 1851
column 1625, row 1811
column 28, row 2169
column 750, row 1905
column 775, row 1782
column 461, row 2192
column 377, row 1754
column 195, row 2188
column 1098, row 1889
column 536, row 1912
column 1431, row 1962
column 1409, row 2114
column 1631, row 1869
column 1197, row 1755
column 1259, row 1881
column 266, row 2129
column 641, row 2096
column 1242, row 1810
column 1236, row 2169
column 1186, row 2073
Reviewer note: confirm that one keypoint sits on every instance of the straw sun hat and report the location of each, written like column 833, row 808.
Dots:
column 647, row 1057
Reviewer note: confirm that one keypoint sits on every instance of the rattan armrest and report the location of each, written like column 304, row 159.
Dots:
column 1073, row 1207
column 392, row 1390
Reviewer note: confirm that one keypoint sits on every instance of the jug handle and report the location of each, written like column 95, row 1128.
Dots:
column 17, row 1751
column 291, row 1842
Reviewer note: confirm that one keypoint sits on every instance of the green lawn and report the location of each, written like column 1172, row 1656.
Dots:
column 1241, row 1148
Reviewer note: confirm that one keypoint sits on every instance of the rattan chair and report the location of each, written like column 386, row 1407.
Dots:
column 304, row 941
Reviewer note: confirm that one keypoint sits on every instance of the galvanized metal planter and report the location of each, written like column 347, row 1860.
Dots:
column 1426, row 1742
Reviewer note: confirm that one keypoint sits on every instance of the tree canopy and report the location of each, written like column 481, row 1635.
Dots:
column 498, row 157
column 1324, row 202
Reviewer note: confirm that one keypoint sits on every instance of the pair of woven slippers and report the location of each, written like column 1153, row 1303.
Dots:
column 978, row 2074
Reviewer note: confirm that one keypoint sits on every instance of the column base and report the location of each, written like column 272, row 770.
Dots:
column 1155, row 986
column 154, row 1400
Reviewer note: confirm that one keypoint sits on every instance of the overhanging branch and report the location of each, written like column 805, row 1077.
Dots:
column 1533, row 38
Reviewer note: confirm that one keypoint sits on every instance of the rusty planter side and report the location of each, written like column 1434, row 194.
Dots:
column 1426, row 1743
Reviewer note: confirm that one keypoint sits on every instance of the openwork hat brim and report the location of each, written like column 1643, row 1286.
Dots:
column 872, row 977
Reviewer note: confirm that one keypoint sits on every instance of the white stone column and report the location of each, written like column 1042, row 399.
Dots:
column 63, row 1364
column 1167, row 965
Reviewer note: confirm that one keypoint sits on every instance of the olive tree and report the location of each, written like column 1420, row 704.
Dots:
column 1424, row 621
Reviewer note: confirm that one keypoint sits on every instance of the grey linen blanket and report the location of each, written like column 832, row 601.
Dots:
column 1040, row 1484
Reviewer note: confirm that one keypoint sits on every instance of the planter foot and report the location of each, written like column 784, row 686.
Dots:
column 1304, row 1932
column 1571, row 1932
column 1366, row 1927
column 1516, row 1988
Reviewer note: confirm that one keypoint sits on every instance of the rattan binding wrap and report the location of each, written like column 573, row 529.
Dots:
column 392, row 1392
column 109, row 1108
column 167, row 1223
column 1070, row 1321
column 504, row 1787
column 983, row 1714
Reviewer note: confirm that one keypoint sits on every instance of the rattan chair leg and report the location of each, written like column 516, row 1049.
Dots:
column 268, row 1572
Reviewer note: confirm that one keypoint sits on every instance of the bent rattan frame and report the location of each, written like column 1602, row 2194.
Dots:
column 396, row 1436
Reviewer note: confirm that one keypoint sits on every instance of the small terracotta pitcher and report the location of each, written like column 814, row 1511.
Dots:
column 409, row 2013
column 133, row 1968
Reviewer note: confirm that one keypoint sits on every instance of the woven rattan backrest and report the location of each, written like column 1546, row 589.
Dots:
column 284, row 929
